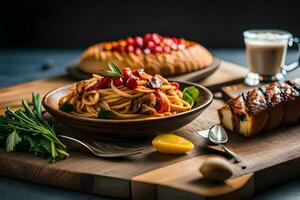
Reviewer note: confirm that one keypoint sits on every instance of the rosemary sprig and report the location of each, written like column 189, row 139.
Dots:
column 27, row 130
column 114, row 71
column 115, row 68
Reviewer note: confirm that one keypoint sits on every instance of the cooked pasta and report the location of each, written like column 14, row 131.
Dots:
column 131, row 94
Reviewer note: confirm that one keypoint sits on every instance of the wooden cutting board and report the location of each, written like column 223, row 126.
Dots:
column 270, row 158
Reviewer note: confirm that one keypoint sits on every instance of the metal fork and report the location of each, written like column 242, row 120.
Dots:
column 106, row 150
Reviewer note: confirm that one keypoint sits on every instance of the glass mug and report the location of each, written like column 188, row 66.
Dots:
column 266, row 53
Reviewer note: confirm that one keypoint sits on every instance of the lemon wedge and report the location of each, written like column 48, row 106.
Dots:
column 172, row 144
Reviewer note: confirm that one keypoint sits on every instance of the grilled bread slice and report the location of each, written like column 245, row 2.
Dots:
column 264, row 108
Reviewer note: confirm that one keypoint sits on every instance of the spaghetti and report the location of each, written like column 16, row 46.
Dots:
column 125, row 94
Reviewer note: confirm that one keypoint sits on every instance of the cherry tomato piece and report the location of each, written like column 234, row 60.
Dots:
column 176, row 85
column 131, row 83
column 118, row 81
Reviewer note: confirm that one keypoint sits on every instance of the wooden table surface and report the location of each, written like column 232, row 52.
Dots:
column 5, row 71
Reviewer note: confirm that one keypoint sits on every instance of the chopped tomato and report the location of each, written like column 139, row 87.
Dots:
column 100, row 84
column 118, row 81
column 132, row 83
column 161, row 102
column 176, row 85
column 126, row 72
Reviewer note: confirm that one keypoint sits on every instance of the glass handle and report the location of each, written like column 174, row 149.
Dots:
column 294, row 65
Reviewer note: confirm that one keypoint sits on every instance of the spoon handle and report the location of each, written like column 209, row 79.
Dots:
column 231, row 153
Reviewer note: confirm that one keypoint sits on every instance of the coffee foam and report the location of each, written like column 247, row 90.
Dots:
column 267, row 38
column 266, row 43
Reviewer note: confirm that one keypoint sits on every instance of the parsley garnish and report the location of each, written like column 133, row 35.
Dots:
column 190, row 95
column 103, row 114
column 66, row 107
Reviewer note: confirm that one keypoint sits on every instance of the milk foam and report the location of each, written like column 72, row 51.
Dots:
column 267, row 38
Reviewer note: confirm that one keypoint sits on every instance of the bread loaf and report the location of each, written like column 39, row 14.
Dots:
column 156, row 54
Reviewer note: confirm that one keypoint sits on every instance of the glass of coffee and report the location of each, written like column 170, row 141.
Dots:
column 266, row 53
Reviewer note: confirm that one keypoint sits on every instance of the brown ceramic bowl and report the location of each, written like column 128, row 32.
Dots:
column 125, row 129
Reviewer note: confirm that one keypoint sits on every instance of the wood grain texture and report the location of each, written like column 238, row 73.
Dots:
column 227, row 74
column 185, row 176
column 270, row 157
column 12, row 96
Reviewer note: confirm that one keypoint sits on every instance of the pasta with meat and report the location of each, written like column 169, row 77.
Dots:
column 125, row 95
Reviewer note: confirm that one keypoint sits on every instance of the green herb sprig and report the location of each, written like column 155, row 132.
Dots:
column 27, row 130
column 103, row 114
column 115, row 71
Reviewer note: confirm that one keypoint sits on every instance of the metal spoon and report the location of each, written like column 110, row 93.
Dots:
column 218, row 135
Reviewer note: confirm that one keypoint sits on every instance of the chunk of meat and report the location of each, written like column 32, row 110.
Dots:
column 146, row 110
column 149, row 100
column 136, row 105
